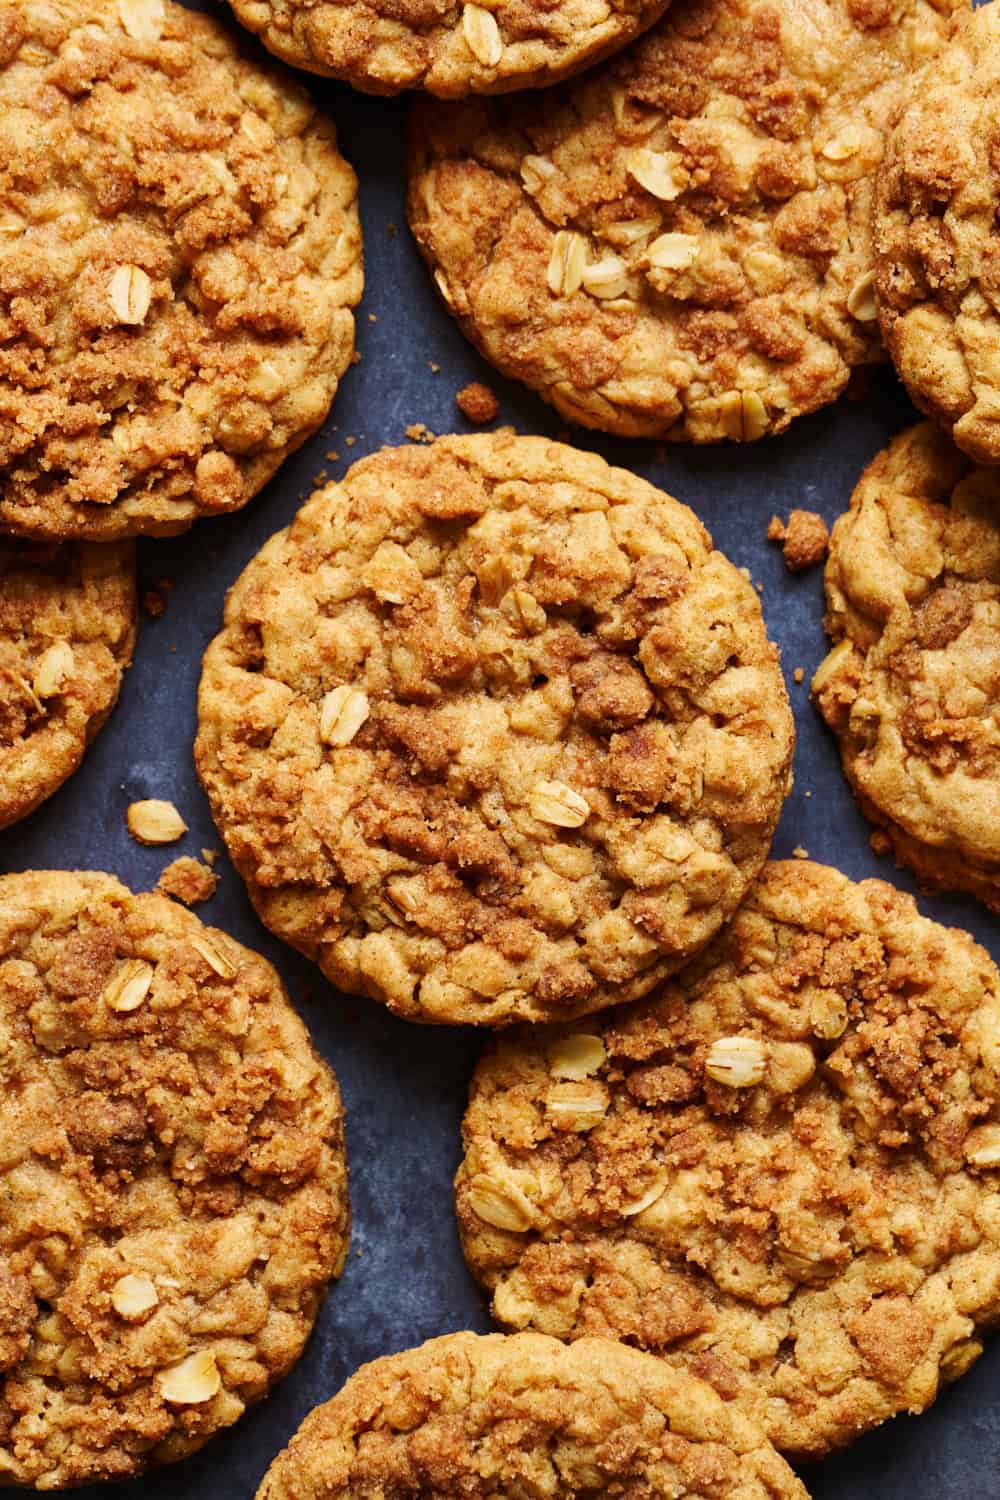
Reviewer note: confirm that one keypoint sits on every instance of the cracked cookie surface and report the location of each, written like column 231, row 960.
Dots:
column 67, row 632
column 779, row 1172
column 172, row 1166
column 481, row 1416
column 678, row 245
column 937, row 247
column 910, row 687
column 492, row 732
column 448, row 47
column 179, row 254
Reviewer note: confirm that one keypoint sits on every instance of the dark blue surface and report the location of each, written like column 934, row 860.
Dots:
column 404, row 1086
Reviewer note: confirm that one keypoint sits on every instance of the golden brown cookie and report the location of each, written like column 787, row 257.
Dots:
column 173, row 1180
column 678, row 245
column 779, row 1173
column 67, row 632
column 179, row 254
column 493, row 733
column 448, row 47
column 485, row 1416
column 936, row 239
column 910, row 688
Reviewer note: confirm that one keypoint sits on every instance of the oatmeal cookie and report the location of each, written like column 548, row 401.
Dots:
column 173, row 1180
column 493, row 733
column 67, row 632
column 448, row 47
column 937, row 245
column 779, row 1173
column 485, row 1416
column 179, row 254
column 911, row 686
column 678, row 245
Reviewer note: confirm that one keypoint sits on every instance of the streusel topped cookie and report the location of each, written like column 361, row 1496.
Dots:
column 493, row 732
column 179, row 254
column 780, row 1173
column 173, row 1179
column 678, row 245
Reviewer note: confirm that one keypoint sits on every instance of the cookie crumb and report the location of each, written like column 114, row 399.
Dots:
column 477, row 402
column 156, row 598
column 800, row 853
column 373, row 317
column 188, row 881
column 805, row 539
column 799, row 674
column 350, row 441
column 155, row 821
column 879, row 841
column 333, row 456
column 435, row 369
column 210, row 856
column 417, row 432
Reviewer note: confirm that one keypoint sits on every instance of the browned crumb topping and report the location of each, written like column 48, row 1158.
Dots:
column 478, row 403
column 188, row 880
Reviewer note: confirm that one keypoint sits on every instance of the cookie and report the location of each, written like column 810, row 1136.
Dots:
column 448, row 47
column 481, row 1416
column 179, row 254
column 493, row 733
column 67, row 632
column 779, row 1173
column 910, row 687
column 936, row 240
column 173, row 1178
column 678, row 245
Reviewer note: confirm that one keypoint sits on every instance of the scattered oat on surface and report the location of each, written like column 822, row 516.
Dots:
column 791, row 1187
column 677, row 245
column 188, row 880
column 508, row 743
column 418, row 432
column 936, row 239
column 155, row 821
column 911, row 685
column 67, row 632
column 478, row 403
column 174, row 1184
column 451, row 47
column 463, row 1414
column 179, row 257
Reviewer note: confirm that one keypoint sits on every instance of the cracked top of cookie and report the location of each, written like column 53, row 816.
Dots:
column 179, row 254
column 448, row 47
column 67, row 630
column 936, row 240
column 779, row 1173
column 481, row 1416
column 492, row 732
column 910, row 688
column 173, row 1179
column 678, row 244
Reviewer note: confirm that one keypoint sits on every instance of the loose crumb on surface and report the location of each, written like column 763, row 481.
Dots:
column 879, row 841
column 188, row 881
column 154, row 821
column 418, row 432
column 477, row 402
column 805, row 539
column 333, row 456
column 210, row 856
column 156, row 598
column 435, row 369
column 799, row 674
column 800, row 853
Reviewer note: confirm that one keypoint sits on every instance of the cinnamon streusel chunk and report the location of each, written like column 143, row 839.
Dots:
column 173, row 1180
column 780, row 1173
column 493, row 732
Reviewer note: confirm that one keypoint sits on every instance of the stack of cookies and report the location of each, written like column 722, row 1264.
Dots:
column 495, row 735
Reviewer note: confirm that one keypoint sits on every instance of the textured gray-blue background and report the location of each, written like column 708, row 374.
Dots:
column 404, row 1086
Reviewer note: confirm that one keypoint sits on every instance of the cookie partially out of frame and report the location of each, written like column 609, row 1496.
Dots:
column 484, row 1416
column 911, row 686
column 678, row 244
column 780, row 1173
column 492, row 732
column 173, row 1180
column 67, row 632
column 448, row 47
column 179, row 254
column 936, row 241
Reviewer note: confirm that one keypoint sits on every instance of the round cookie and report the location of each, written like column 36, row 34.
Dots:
column 910, row 687
column 936, row 240
column 493, row 733
column 179, row 254
column 67, row 632
column 481, row 1416
column 173, row 1178
column 678, row 245
column 448, row 47
column 779, row 1173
